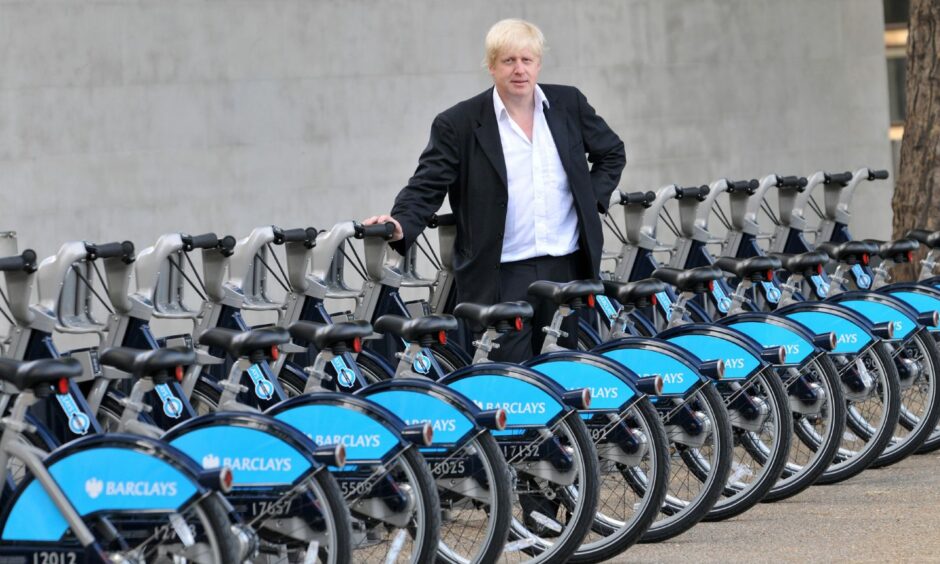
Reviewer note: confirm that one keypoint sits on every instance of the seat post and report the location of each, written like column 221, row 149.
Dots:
column 882, row 276
column 316, row 374
column 928, row 264
column 838, row 280
column 406, row 361
column 619, row 327
column 739, row 296
column 232, row 386
column 678, row 311
column 554, row 331
column 485, row 345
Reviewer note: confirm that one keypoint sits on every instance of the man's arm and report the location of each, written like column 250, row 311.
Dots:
column 605, row 152
column 437, row 169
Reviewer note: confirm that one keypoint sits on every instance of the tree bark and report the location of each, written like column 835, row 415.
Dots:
column 916, row 200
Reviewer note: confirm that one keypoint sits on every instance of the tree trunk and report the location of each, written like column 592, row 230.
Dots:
column 916, row 201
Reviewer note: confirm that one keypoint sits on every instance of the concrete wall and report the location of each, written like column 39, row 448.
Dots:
column 126, row 119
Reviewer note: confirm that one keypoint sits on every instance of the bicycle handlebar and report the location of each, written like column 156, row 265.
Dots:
column 842, row 178
column 25, row 262
column 119, row 249
column 877, row 175
column 204, row 241
column 445, row 220
column 379, row 230
column 749, row 186
column 797, row 183
column 307, row 236
column 227, row 245
column 642, row 198
column 699, row 192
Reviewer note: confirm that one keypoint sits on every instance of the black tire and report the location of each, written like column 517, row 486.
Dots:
column 578, row 501
column 684, row 508
column 932, row 442
column 499, row 478
column 205, row 397
column 208, row 518
column 336, row 526
column 619, row 525
column 920, row 403
column 372, row 372
column 765, row 449
column 869, row 423
column 816, row 434
column 409, row 469
column 496, row 515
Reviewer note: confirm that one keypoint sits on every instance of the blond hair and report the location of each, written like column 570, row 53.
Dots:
column 512, row 33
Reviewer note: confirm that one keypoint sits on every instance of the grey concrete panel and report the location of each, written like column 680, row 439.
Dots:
column 127, row 119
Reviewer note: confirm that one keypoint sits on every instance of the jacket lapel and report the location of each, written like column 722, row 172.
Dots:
column 487, row 133
column 555, row 116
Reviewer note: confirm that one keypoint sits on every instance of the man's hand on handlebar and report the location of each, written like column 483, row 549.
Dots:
column 398, row 235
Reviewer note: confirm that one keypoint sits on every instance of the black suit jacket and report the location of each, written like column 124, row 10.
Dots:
column 464, row 160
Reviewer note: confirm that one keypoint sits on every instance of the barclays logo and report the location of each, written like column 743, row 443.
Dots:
column 515, row 407
column 792, row 349
column 94, row 487
column 253, row 464
column 847, row 338
column 669, row 377
column 605, row 393
column 439, row 425
column 734, row 363
column 351, row 441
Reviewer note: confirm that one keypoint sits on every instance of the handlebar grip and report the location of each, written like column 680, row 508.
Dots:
column 445, row 220
column 749, row 186
column 797, row 183
column 641, row 198
column 698, row 192
column 300, row 235
column 842, row 178
column 877, row 175
column 204, row 241
column 25, row 262
column 379, row 230
column 227, row 245
column 119, row 249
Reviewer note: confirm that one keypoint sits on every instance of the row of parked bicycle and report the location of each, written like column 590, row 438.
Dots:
column 698, row 389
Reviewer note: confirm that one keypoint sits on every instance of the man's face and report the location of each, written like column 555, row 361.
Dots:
column 515, row 73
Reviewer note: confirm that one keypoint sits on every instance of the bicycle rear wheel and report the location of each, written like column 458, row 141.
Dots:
column 556, row 504
column 625, row 512
column 920, row 398
column 699, row 466
column 870, row 383
column 818, row 409
column 762, row 428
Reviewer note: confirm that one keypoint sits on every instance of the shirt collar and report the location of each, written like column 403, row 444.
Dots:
column 540, row 102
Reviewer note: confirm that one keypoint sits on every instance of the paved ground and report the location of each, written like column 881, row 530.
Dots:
column 891, row 514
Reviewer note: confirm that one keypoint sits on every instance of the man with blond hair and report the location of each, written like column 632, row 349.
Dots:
column 512, row 162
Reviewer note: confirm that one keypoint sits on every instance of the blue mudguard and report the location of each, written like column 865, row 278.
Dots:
column 370, row 433
column 529, row 399
column 416, row 401
column 853, row 331
column 773, row 330
column 923, row 298
column 102, row 473
column 612, row 385
column 740, row 353
column 649, row 356
column 260, row 450
column 880, row 308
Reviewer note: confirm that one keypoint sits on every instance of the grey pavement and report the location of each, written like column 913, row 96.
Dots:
column 886, row 515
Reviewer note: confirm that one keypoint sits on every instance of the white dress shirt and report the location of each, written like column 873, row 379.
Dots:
column 540, row 215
